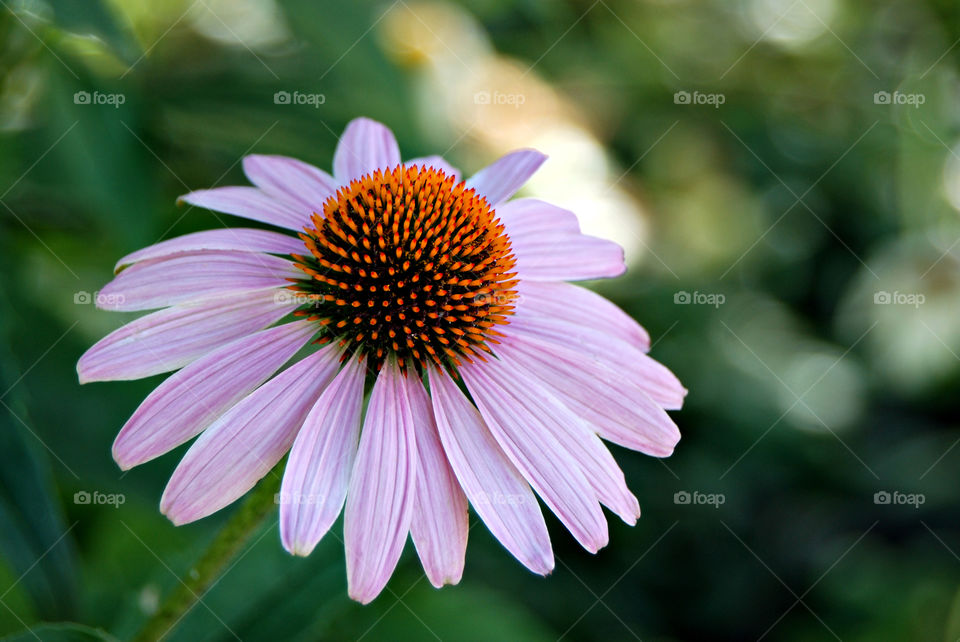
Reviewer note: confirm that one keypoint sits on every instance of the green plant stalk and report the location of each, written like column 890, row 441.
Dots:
column 224, row 547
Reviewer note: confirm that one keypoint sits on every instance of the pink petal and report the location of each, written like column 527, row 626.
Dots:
column 609, row 402
column 291, row 179
column 365, row 146
column 382, row 487
column 192, row 276
column 517, row 415
column 237, row 239
column 501, row 180
column 526, row 216
column 318, row 470
column 582, row 307
column 548, row 244
column 439, row 525
column 244, row 444
column 437, row 162
column 559, row 256
column 609, row 351
column 495, row 488
column 598, row 466
column 251, row 203
column 172, row 338
column 189, row 400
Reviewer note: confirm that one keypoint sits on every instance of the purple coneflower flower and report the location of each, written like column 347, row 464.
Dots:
column 490, row 378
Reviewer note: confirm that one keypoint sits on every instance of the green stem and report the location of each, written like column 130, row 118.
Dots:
column 224, row 547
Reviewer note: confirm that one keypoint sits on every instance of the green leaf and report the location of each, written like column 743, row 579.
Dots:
column 33, row 532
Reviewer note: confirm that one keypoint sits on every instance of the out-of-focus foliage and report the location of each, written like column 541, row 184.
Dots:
column 785, row 176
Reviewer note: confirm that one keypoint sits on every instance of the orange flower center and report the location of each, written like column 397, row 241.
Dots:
column 408, row 262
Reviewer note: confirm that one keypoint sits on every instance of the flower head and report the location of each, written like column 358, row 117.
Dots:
column 491, row 379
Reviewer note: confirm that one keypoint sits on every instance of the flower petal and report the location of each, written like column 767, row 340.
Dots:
column 365, row 146
column 580, row 306
column 567, row 257
column 531, row 216
column 613, row 353
column 172, row 338
column 549, row 246
column 437, row 162
column 382, row 487
column 292, row 179
column 189, row 400
column 236, row 239
column 501, row 179
column 251, row 203
column 439, row 525
column 495, row 488
column 610, row 403
column 240, row 447
column 192, row 276
column 574, row 435
column 521, row 420
column 318, row 470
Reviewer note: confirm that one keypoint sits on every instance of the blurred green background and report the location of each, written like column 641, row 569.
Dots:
column 785, row 176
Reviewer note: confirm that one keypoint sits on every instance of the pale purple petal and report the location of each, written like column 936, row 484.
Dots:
column 292, row 179
column 548, row 244
column 439, row 525
column 193, row 276
column 526, row 216
column 318, row 470
column 558, row 256
column 237, row 239
column 365, row 146
column 518, row 418
column 613, row 353
column 191, row 399
column 610, row 403
column 501, row 180
column 495, row 488
column 573, row 434
column 172, row 338
column 245, row 443
column 251, row 203
column 436, row 162
column 382, row 488
column 579, row 306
